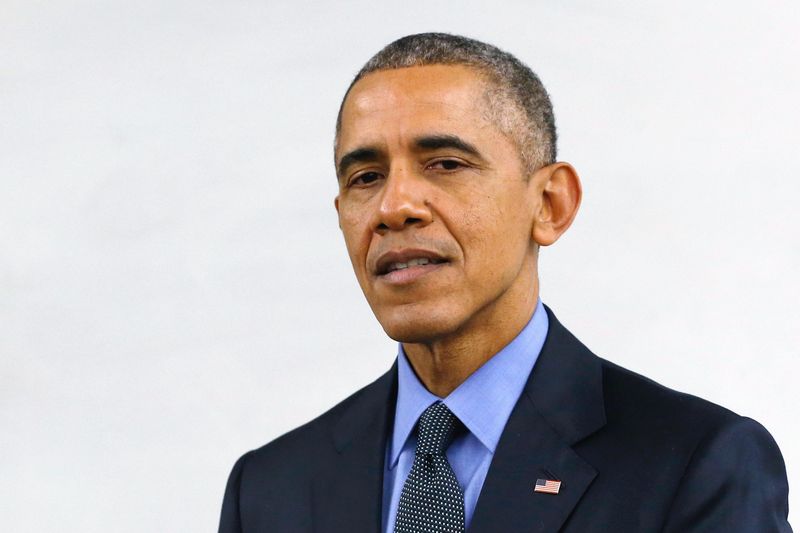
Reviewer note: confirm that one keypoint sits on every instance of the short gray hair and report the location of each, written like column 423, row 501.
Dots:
column 518, row 102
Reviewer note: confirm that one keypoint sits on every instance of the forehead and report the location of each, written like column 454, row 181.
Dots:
column 409, row 100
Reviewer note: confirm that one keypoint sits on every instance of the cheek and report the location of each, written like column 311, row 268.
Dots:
column 482, row 228
column 495, row 241
column 357, row 235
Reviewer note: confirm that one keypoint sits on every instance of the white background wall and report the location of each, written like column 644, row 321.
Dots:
column 174, row 289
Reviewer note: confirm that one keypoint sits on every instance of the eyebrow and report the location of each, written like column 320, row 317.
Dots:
column 359, row 155
column 436, row 142
column 369, row 154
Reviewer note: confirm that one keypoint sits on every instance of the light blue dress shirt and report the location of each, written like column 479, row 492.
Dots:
column 483, row 403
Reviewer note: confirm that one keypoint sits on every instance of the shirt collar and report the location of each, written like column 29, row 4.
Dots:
column 484, row 401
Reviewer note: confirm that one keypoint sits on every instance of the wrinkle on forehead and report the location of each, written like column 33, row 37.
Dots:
column 392, row 92
column 396, row 94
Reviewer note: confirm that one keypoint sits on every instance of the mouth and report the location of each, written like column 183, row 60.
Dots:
column 418, row 261
column 407, row 260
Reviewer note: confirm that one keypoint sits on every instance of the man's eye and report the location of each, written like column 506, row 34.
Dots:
column 447, row 164
column 365, row 179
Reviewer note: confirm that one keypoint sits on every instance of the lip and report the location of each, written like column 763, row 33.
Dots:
column 410, row 274
column 404, row 256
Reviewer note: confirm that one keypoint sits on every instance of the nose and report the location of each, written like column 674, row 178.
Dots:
column 403, row 202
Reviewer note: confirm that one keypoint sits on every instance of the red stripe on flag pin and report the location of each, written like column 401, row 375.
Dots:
column 548, row 486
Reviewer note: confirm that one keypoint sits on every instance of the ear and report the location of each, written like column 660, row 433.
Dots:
column 336, row 205
column 560, row 197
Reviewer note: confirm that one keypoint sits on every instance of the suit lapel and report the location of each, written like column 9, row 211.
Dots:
column 562, row 404
column 529, row 450
column 348, row 497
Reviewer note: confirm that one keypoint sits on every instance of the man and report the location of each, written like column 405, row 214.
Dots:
column 494, row 417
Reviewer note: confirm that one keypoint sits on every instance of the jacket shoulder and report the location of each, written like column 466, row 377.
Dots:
column 635, row 400
column 270, row 487
column 684, row 460
column 293, row 449
column 649, row 427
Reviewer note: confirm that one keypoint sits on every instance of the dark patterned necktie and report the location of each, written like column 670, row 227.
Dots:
column 431, row 500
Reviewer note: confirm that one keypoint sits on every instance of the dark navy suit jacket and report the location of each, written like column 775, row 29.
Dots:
column 631, row 455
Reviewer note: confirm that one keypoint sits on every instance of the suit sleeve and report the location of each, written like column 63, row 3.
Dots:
column 735, row 482
column 230, row 519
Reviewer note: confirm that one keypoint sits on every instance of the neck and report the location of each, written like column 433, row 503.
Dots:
column 446, row 362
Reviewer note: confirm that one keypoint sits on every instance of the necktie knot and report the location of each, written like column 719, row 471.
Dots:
column 437, row 427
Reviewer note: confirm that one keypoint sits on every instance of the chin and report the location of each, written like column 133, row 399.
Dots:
column 413, row 326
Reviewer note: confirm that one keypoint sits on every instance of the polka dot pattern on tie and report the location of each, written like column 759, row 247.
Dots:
column 432, row 500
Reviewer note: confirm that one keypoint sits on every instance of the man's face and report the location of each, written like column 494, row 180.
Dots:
column 434, row 205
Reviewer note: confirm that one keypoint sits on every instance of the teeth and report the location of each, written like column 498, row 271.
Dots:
column 412, row 262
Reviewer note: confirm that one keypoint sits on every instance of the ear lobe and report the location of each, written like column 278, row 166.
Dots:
column 560, row 199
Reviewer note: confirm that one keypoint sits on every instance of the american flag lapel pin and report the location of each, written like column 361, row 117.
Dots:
column 547, row 486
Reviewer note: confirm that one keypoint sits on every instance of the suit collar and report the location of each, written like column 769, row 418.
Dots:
column 566, row 385
column 347, row 496
column 375, row 402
